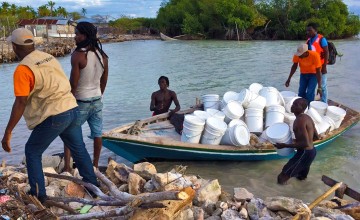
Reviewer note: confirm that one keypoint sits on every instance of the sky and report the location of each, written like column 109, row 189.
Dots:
column 118, row 8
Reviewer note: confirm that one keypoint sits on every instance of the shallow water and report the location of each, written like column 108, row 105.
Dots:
column 202, row 67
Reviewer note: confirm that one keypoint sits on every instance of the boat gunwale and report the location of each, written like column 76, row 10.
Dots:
column 166, row 143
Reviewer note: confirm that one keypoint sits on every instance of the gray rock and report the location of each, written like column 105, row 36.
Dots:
column 169, row 181
column 145, row 170
column 230, row 214
column 241, row 194
column 149, row 186
column 209, row 193
column 253, row 211
column 213, row 218
column 280, row 203
column 199, row 213
column 333, row 214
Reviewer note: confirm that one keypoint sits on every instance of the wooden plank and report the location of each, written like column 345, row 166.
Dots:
column 348, row 191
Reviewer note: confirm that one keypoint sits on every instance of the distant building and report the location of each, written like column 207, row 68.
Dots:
column 49, row 26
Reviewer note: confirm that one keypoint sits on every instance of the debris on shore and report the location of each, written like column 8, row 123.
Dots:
column 59, row 47
column 140, row 192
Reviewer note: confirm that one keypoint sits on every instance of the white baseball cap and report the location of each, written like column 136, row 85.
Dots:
column 302, row 48
column 21, row 36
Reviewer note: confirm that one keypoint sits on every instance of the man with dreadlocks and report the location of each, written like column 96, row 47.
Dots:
column 89, row 73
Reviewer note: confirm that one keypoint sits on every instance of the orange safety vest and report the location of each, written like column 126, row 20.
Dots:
column 316, row 46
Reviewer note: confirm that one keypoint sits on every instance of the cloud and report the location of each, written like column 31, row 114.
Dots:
column 115, row 8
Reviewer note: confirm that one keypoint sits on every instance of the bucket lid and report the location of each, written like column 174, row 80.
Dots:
column 230, row 96
column 215, row 113
column 242, row 134
column 201, row 114
column 234, row 108
column 235, row 122
column 216, row 124
column 192, row 119
column 319, row 105
column 278, row 131
column 336, row 111
column 314, row 115
column 244, row 95
column 255, row 87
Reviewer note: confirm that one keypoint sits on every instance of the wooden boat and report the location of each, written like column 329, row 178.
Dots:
column 155, row 138
column 165, row 38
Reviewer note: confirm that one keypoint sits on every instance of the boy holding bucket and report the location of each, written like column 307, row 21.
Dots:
column 305, row 133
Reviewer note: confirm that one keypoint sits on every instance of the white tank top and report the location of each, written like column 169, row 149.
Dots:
column 89, row 81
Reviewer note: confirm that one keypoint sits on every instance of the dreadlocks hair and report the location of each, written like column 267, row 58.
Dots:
column 92, row 42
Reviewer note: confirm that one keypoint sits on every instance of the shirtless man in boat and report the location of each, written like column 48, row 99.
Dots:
column 161, row 100
column 305, row 133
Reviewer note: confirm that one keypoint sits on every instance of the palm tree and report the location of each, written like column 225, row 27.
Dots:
column 83, row 11
column 4, row 7
column 43, row 11
column 51, row 5
column 61, row 11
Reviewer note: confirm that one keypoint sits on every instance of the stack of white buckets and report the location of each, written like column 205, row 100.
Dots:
column 230, row 121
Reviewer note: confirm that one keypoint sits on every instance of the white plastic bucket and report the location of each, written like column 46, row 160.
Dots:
column 255, row 87
column 257, row 101
column 192, row 129
column 233, row 110
column 214, row 131
column 323, row 126
column 288, row 95
column 280, row 133
column 201, row 114
column 254, row 119
column 316, row 117
column 228, row 97
column 330, row 121
column 337, row 114
column 237, row 135
column 245, row 96
column 235, row 122
column 290, row 103
column 216, row 113
column 211, row 101
column 272, row 96
column 274, row 114
column 319, row 106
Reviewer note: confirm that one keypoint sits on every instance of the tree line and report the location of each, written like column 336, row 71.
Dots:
column 256, row 19
column 219, row 19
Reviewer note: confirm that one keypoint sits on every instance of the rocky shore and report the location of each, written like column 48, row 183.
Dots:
column 140, row 192
column 59, row 47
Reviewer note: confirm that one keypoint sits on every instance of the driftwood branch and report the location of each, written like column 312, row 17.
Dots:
column 96, row 215
column 89, row 186
column 67, row 208
column 102, row 202
column 113, row 189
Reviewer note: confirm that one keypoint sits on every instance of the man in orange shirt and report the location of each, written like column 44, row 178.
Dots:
column 310, row 75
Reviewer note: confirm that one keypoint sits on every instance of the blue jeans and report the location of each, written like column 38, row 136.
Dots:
column 91, row 111
column 324, row 88
column 307, row 86
column 62, row 125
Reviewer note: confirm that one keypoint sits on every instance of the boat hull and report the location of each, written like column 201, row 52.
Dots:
column 135, row 151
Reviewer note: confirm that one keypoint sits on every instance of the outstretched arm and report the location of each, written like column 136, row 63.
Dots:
column 302, row 138
column 292, row 71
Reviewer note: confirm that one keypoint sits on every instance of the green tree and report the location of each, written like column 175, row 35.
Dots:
column 74, row 15
column 43, row 11
column 51, row 4
column 61, row 11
